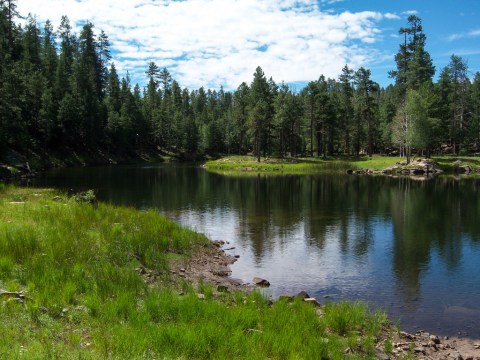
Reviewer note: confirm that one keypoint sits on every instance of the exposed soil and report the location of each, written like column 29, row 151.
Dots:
column 211, row 266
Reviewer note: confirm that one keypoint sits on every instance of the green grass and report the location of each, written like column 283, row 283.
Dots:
column 242, row 164
column 77, row 262
column 248, row 164
column 446, row 162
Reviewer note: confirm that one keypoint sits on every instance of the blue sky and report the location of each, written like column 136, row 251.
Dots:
column 215, row 43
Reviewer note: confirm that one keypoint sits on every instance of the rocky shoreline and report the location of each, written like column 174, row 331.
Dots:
column 419, row 168
column 212, row 264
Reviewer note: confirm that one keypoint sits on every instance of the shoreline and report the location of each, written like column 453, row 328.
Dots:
column 418, row 168
column 205, row 272
column 212, row 266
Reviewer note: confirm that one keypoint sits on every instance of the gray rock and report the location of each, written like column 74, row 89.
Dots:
column 419, row 350
column 435, row 339
column 312, row 301
column 302, row 295
column 261, row 282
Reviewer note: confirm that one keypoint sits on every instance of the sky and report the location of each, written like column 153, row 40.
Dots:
column 214, row 43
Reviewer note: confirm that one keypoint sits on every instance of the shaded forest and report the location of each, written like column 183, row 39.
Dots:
column 60, row 92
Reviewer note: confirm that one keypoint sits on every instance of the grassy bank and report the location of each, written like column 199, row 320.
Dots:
column 242, row 164
column 70, row 287
column 239, row 164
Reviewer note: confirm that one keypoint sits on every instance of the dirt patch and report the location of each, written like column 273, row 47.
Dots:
column 208, row 265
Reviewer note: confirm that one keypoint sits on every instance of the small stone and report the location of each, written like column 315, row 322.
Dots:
column 201, row 296
column 446, row 338
column 237, row 256
column 182, row 270
column 261, row 282
column 469, row 357
column 302, row 295
column 312, row 301
column 407, row 335
column 382, row 357
column 418, row 350
column 435, row 339
column 222, row 273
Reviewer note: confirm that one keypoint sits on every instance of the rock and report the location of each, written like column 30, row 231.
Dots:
column 237, row 256
column 419, row 350
column 418, row 172
column 302, row 295
column 222, row 273
column 435, row 339
column 349, row 171
column 380, row 356
column 201, row 296
column 261, row 282
column 407, row 335
column 312, row 301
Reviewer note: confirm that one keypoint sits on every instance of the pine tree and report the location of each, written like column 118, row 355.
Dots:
column 260, row 113
column 365, row 103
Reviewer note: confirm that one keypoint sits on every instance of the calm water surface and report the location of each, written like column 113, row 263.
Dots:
column 410, row 247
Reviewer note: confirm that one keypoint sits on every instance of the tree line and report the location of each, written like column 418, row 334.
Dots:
column 60, row 92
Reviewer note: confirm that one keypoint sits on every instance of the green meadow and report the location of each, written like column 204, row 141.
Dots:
column 70, row 288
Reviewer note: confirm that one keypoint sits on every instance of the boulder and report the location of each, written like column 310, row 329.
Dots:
column 417, row 171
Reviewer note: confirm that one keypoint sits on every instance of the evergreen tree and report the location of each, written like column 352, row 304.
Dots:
column 346, row 105
column 365, row 104
column 260, row 113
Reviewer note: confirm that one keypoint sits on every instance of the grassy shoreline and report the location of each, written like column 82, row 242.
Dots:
column 70, row 287
column 245, row 164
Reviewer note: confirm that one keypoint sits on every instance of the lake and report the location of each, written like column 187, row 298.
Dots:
column 409, row 247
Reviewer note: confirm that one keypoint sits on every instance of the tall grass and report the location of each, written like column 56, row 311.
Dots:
column 86, row 300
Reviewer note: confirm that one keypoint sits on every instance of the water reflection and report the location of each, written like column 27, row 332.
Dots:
column 410, row 247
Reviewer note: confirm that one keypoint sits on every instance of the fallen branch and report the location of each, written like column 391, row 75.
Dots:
column 13, row 294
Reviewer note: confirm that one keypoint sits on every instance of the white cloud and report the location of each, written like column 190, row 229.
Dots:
column 391, row 16
column 470, row 34
column 220, row 42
